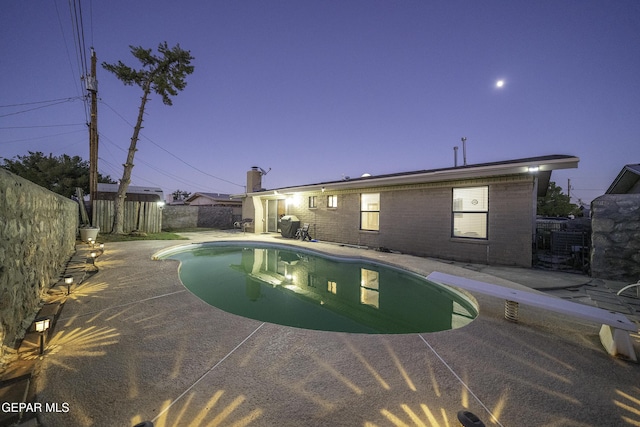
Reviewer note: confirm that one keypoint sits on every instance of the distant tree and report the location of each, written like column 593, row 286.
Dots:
column 60, row 174
column 180, row 195
column 163, row 74
column 556, row 203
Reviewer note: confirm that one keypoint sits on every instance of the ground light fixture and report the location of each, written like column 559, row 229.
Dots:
column 468, row 419
column 42, row 325
column 68, row 280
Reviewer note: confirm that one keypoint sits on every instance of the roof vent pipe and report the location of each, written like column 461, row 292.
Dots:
column 455, row 156
column 464, row 150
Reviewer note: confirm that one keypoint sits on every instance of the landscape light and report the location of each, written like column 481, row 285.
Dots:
column 68, row 280
column 42, row 324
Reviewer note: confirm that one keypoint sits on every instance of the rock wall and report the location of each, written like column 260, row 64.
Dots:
column 37, row 237
column 615, row 237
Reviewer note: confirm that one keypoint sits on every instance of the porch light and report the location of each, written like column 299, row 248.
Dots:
column 533, row 169
column 42, row 324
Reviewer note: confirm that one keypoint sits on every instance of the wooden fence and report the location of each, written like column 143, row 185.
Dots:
column 141, row 216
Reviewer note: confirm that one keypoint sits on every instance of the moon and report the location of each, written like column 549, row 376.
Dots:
column 500, row 83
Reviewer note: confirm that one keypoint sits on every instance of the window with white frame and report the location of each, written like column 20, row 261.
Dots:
column 313, row 201
column 370, row 211
column 470, row 212
column 370, row 287
column 332, row 201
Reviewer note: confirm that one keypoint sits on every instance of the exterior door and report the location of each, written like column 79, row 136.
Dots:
column 275, row 209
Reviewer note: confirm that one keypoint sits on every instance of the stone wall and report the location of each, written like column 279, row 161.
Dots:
column 184, row 216
column 37, row 236
column 615, row 237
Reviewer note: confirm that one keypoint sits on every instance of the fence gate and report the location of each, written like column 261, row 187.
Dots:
column 140, row 216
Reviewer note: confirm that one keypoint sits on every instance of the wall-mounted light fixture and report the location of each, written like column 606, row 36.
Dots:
column 42, row 325
column 68, row 280
column 533, row 169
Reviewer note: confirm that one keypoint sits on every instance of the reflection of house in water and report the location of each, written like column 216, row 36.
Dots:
column 377, row 298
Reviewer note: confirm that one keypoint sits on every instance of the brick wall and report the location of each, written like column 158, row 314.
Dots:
column 417, row 220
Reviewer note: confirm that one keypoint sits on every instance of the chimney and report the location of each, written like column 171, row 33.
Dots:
column 254, row 180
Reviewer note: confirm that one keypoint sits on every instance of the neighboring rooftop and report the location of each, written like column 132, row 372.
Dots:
column 134, row 193
column 627, row 181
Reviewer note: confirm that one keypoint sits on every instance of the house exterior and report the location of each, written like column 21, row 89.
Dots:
column 627, row 181
column 212, row 199
column 482, row 213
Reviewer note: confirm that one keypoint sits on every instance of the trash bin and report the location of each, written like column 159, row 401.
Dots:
column 289, row 224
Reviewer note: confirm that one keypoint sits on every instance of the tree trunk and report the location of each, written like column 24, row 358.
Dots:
column 118, row 221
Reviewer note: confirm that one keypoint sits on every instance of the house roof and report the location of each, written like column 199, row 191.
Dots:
column 218, row 197
column 542, row 165
column 627, row 181
column 132, row 189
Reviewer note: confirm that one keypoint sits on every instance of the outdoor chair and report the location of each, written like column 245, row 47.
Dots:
column 303, row 233
column 243, row 224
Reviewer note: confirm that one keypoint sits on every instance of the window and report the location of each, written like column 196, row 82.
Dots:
column 370, row 211
column 332, row 201
column 369, row 288
column 313, row 201
column 332, row 287
column 470, row 212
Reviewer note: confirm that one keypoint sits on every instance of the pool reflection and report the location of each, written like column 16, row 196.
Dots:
column 305, row 290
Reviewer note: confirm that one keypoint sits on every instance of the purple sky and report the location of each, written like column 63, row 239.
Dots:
column 317, row 90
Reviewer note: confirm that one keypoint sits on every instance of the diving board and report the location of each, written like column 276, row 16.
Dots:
column 614, row 333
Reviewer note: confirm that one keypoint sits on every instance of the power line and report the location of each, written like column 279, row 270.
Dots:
column 170, row 153
column 38, row 108
column 66, row 47
column 160, row 171
column 40, row 102
column 42, row 126
column 40, row 137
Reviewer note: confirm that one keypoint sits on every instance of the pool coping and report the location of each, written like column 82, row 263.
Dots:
column 465, row 299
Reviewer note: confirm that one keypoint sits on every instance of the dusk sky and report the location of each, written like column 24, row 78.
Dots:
column 318, row 90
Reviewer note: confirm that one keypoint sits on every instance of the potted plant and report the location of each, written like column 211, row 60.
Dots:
column 88, row 232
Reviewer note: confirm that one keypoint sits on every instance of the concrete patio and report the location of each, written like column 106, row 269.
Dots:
column 132, row 344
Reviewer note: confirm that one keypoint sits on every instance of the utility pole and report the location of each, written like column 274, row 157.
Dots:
column 92, row 87
column 569, row 189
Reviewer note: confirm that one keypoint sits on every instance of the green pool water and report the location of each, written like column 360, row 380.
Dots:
column 305, row 289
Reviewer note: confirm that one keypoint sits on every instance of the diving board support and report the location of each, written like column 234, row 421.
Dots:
column 614, row 333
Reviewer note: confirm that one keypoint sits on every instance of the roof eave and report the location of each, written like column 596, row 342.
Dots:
column 463, row 172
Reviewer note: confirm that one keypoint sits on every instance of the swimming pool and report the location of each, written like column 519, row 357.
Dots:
column 306, row 289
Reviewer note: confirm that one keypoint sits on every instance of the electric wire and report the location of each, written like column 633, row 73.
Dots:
column 75, row 11
column 66, row 47
column 167, row 151
column 40, row 107
column 43, row 126
column 155, row 168
column 40, row 137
